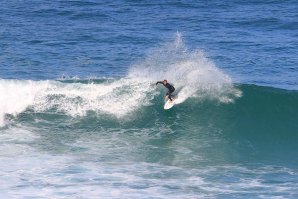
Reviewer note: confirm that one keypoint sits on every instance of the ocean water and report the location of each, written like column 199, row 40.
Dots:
column 81, row 117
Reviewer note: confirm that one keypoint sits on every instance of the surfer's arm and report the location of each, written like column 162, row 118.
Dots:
column 159, row 82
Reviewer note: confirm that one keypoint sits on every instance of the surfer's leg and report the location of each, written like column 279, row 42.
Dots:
column 169, row 95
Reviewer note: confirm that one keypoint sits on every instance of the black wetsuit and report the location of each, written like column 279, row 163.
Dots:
column 170, row 88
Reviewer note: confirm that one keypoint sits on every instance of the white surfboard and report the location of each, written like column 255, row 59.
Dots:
column 169, row 104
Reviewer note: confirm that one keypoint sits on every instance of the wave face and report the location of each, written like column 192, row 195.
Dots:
column 261, row 112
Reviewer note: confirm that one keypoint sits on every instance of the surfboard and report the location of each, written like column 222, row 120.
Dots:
column 169, row 104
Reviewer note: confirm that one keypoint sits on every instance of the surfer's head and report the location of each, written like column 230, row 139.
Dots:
column 165, row 81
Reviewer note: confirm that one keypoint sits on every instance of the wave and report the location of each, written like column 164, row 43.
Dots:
column 121, row 98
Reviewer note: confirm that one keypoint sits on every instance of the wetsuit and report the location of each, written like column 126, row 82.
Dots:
column 170, row 88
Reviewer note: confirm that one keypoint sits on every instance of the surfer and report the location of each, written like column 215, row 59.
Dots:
column 170, row 88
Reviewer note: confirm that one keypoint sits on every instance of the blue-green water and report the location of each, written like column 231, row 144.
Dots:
column 81, row 117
